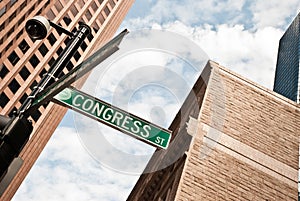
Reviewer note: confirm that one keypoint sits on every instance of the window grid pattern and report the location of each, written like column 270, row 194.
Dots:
column 39, row 55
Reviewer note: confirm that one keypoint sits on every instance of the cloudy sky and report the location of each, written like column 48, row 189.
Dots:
column 241, row 35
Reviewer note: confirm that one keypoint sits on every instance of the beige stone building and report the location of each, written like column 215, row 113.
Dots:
column 23, row 61
column 232, row 140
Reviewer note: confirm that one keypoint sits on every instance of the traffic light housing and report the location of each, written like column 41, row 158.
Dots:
column 13, row 138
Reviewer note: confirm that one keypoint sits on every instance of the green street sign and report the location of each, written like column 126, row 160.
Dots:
column 114, row 117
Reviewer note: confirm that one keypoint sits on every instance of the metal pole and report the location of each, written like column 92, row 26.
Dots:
column 57, row 67
column 16, row 133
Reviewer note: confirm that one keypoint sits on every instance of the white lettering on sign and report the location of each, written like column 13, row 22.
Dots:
column 108, row 114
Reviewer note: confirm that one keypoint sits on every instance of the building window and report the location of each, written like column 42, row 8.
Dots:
column 3, row 71
column 36, row 115
column 59, row 51
column 67, row 20
column 83, row 46
column 76, row 56
column 14, row 86
column 23, row 98
column 2, row 11
column 51, row 39
column 34, row 61
column 90, row 37
column 24, row 73
column 112, row 3
column 13, row 58
column 88, row 15
column 12, row 112
column 23, row 5
column 106, row 10
column 19, row 34
column 74, row 10
column 1, row 26
column 21, row 20
column 43, row 49
column 70, row 66
column 3, row 99
column 12, row 2
column 51, row 61
column 12, row 16
column 33, row 85
column 94, row 6
column 24, row 46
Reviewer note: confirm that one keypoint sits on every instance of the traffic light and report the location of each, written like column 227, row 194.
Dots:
column 14, row 136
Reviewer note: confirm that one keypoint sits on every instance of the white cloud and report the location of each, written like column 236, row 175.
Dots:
column 65, row 171
column 274, row 13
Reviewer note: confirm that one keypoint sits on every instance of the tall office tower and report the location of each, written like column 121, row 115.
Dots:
column 287, row 76
column 24, row 61
column 232, row 140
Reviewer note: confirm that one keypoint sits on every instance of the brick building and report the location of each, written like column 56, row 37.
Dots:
column 232, row 140
column 24, row 61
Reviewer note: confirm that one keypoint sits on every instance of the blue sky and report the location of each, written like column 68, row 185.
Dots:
column 241, row 35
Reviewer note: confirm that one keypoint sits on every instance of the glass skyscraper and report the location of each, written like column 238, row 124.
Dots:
column 287, row 82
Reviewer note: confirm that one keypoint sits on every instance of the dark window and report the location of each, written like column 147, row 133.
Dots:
column 51, row 61
column 88, row 15
column 59, row 50
column 10, row 31
column 66, row 41
column 34, row 61
column 19, row 34
column 83, row 46
column 33, row 85
column 21, row 20
column 43, row 49
column 12, row 112
column 23, row 98
column 90, row 37
column 31, row 9
column 42, row 73
column 112, row 3
column 1, row 26
column 3, row 71
column 76, row 56
column 24, row 73
column 36, row 115
column 13, row 58
column 8, row 46
column 2, row 11
column 24, row 46
column 12, row 16
column 23, row 5
column 51, row 39
column 67, row 20
column 94, row 6
column 14, row 86
column 106, row 10
column 12, row 2
column 70, row 66
column 3, row 99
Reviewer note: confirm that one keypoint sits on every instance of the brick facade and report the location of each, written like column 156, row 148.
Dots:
column 244, row 145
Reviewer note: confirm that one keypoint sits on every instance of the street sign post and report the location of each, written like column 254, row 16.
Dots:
column 77, row 72
column 114, row 117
